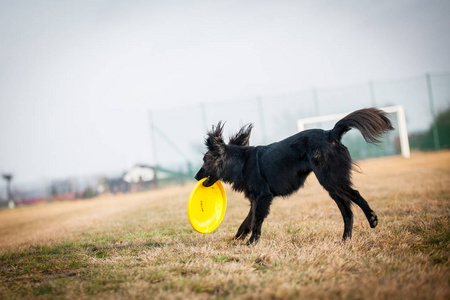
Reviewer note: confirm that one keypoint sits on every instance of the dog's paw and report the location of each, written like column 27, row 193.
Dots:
column 253, row 240
column 237, row 238
column 373, row 220
column 241, row 234
column 250, row 243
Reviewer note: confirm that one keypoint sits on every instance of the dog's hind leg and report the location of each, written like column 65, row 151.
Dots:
column 245, row 227
column 260, row 209
column 347, row 215
column 362, row 203
column 333, row 184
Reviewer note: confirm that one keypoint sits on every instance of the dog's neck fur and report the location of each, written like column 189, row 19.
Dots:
column 233, row 166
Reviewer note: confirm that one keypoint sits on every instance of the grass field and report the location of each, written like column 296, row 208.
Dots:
column 142, row 246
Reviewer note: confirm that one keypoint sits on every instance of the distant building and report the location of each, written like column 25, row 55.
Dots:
column 141, row 178
column 113, row 185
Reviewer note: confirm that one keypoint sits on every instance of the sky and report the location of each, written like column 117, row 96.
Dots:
column 78, row 78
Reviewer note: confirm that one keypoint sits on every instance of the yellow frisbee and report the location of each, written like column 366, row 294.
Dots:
column 206, row 206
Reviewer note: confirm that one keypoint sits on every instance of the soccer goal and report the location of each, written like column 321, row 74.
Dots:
column 401, row 124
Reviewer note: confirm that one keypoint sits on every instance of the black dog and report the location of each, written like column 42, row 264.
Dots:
column 279, row 169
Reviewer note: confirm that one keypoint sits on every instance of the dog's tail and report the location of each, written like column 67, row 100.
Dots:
column 371, row 122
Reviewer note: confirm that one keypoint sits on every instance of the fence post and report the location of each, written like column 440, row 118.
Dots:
column 437, row 145
column 152, row 137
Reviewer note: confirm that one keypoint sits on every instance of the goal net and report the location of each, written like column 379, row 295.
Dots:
column 392, row 142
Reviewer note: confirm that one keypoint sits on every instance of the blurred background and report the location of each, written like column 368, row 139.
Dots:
column 106, row 96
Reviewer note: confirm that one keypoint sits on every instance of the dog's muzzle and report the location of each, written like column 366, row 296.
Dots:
column 209, row 179
column 200, row 174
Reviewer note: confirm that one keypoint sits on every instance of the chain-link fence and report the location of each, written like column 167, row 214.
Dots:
column 178, row 134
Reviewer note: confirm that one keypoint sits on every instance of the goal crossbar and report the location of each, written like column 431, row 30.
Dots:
column 401, row 119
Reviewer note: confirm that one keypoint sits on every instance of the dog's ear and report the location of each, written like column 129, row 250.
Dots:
column 242, row 138
column 214, row 140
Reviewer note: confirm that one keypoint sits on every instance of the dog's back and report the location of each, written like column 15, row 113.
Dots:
column 287, row 163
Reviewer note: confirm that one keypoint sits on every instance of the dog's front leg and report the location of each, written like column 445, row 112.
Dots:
column 260, row 211
column 245, row 227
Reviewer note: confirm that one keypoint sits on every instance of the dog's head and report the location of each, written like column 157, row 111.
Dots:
column 217, row 152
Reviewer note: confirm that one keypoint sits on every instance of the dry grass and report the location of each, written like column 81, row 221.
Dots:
column 142, row 246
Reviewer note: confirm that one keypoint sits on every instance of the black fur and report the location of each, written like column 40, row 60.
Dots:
column 279, row 169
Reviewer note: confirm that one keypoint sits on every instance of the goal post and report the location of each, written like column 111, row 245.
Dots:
column 398, row 110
